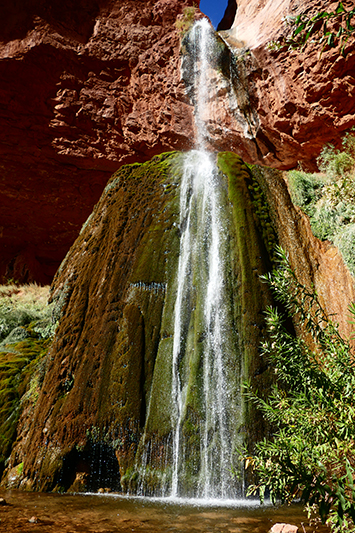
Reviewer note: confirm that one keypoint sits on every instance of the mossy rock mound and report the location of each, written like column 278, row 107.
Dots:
column 107, row 373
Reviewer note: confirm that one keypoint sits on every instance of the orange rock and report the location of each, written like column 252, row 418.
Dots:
column 84, row 87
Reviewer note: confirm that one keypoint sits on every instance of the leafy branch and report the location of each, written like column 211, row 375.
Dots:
column 311, row 406
column 328, row 28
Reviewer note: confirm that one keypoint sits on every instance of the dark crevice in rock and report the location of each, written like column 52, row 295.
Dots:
column 90, row 470
column 229, row 16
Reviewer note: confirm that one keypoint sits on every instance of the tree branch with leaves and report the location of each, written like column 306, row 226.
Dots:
column 311, row 407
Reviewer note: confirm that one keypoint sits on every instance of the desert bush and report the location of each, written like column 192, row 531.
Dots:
column 184, row 23
column 23, row 305
column 311, row 455
column 328, row 198
column 305, row 188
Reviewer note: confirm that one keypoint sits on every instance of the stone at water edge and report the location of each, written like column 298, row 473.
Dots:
column 283, row 528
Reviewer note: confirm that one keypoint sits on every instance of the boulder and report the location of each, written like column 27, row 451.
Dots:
column 283, row 528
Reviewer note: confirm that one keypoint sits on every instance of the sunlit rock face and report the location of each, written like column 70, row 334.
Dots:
column 88, row 86
column 300, row 99
column 317, row 264
column 85, row 86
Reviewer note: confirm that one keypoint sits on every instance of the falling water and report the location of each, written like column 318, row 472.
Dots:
column 203, row 245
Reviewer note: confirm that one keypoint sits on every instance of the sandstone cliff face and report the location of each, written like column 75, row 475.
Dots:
column 88, row 86
column 300, row 101
column 85, row 86
column 316, row 263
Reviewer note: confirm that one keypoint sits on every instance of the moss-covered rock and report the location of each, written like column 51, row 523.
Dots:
column 244, row 257
column 111, row 288
column 25, row 334
column 108, row 375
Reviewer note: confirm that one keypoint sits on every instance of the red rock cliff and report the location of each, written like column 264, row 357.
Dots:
column 88, row 85
column 85, row 86
column 301, row 98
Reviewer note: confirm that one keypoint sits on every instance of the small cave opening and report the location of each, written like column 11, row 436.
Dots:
column 90, row 470
column 221, row 13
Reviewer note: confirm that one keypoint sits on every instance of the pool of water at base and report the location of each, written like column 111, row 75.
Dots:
column 111, row 513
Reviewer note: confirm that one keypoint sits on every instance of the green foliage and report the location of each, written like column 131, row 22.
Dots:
column 305, row 188
column 329, row 198
column 26, row 328
column 19, row 307
column 311, row 455
column 329, row 29
column 188, row 18
column 338, row 163
column 344, row 240
column 19, row 374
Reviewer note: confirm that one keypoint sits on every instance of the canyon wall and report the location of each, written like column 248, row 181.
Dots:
column 88, row 86
column 290, row 101
column 85, row 87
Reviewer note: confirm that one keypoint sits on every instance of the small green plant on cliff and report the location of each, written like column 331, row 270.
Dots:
column 339, row 163
column 328, row 29
column 262, row 210
column 187, row 20
column 311, row 455
column 328, row 197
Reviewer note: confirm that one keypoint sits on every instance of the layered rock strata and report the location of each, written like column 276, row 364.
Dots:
column 84, row 87
column 300, row 98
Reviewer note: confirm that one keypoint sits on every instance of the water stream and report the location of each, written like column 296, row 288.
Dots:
column 195, row 413
column 203, row 237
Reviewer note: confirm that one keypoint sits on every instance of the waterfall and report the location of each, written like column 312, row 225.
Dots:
column 194, row 419
column 203, row 240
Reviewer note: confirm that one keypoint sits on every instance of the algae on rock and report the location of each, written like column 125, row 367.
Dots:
column 244, row 257
column 25, row 335
column 107, row 383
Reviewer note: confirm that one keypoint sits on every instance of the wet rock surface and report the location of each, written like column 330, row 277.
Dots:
column 110, row 358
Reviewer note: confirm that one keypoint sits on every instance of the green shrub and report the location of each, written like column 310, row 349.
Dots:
column 335, row 163
column 187, row 20
column 329, row 198
column 311, row 455
column 328, row 221
column 26, row 328
column 327, row 29
column 20, row 369
column 305, row 188
column 345, row 241
column 21, row 306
